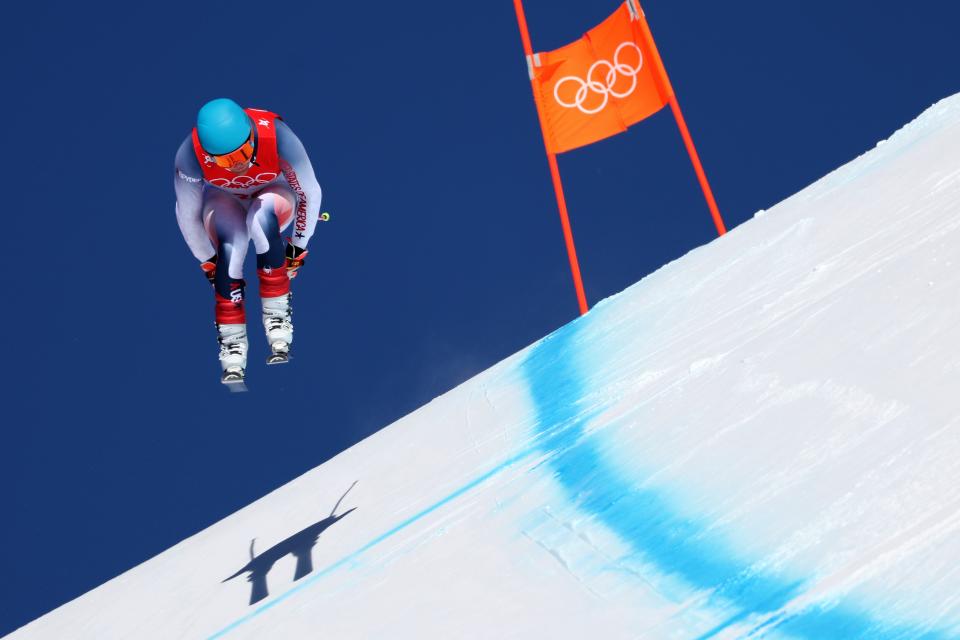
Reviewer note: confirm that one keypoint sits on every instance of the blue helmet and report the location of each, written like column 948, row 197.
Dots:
column 222, row 126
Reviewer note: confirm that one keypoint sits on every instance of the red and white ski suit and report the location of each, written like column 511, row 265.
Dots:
column 219, row 212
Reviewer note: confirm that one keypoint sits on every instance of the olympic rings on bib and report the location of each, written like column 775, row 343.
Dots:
column 605, row 89
column 244, row 182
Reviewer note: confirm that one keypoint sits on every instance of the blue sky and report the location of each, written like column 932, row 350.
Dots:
column 444, row 253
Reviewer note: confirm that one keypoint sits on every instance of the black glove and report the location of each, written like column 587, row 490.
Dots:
column 209, row 267
column 295, row 257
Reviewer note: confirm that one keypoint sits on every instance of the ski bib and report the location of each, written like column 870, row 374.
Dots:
column 266, row 159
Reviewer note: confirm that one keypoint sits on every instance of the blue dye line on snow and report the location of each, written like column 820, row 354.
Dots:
column 311, row 580
column 678, row 545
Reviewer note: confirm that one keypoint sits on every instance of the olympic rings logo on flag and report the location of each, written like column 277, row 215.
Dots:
column 244, row 182
column 605, row 89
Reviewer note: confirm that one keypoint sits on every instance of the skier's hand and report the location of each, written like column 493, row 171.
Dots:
column 295, row 257
column 209, row 267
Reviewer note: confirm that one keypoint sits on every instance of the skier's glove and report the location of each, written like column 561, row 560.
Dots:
column 295, row 258
column 210, row 268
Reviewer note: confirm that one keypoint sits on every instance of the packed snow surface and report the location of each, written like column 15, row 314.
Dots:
column 759, row 440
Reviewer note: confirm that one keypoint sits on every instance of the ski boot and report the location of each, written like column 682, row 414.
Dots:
column 278, row 324
column 233, row 352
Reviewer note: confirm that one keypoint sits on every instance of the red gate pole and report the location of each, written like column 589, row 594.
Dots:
column 682, row 125
column 697, row 167
column 554, row 170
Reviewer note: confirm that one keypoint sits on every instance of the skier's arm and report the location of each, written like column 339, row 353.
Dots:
column 299, row 174
column 188, row 185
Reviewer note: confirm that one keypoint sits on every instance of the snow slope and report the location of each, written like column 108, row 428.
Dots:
column 759, row 440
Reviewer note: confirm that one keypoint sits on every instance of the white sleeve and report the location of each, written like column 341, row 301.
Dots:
column 188, row 185
column 299, row 174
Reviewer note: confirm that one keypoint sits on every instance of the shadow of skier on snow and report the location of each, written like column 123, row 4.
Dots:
column 299, row 545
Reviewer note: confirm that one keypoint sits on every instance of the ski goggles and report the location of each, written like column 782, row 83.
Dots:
column 242, row 155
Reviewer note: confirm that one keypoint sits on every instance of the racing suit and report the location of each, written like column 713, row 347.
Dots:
column 219, row 213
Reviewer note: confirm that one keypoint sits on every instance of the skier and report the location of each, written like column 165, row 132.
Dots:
column 243, row 175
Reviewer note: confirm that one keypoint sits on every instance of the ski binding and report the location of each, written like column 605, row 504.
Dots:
column 280, row 353
column 233, row 377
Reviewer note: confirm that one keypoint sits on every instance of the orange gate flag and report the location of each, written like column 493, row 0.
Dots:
column 601, row 84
